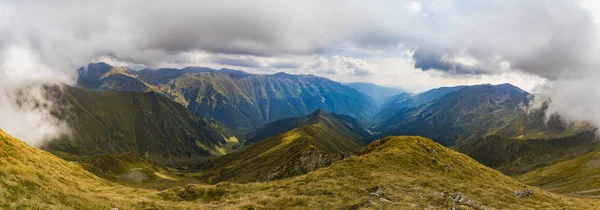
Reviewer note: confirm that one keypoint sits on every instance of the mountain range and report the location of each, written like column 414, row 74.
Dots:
column 197, row 138
column 470, row 112
column 241, row 101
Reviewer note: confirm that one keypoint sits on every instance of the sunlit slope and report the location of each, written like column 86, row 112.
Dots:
column 317, row 142
column 393, row 173
column 342, row 123
column 577, row 177
column 35, row 179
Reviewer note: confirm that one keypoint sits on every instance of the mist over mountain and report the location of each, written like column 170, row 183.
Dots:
column 379, row 93
column 407, row 100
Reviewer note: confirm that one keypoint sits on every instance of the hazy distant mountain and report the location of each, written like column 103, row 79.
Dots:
column 471, row 112
column 294, row 146
column 148, row 125
column 379, row 93
column 239, row 100
column 408, row 100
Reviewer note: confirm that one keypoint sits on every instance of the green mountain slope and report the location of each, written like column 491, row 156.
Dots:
column 517, row 156
column 242, row 101
column 343, row 123
column 146, row 124
column 534, row 125
column 34, row 179
column 576, row 177
column 316, row 141
column 470, row 113
column 393, row 173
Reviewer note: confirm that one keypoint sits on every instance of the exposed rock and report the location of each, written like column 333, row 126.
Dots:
column 305, row 162
column 376, row 191
column 384, row 200
column 459, row 198
column 523, row 194
column 444, row 194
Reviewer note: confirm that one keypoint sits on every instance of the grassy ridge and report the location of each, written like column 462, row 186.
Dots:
column 409, row 171
column 305, row 148
column 413, row 172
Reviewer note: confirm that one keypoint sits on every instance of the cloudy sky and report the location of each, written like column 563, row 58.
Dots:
column 411, row 44
column 544, row 46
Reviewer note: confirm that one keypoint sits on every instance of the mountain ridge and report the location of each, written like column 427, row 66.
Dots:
column 242, row 101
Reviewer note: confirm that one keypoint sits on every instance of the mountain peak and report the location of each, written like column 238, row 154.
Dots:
column 318, row 112
column 281, row 73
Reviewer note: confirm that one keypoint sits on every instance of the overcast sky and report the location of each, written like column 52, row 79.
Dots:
column 412, row 44
column 543, row 46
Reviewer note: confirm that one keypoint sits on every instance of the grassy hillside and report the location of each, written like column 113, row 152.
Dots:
column 241, row 101
column 148, row 125
column 393, row 173
column 317, row 142
column 517, row 156
column 34, row 179
column 576, row 177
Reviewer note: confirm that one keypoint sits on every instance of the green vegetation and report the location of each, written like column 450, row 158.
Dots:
column 534, row 125
column 393, row 173
column 126, row 168
column 518, row 156
column 342, row 123
column 576, row 177
column 148, row 125
column 308, row 143
column 472, row 112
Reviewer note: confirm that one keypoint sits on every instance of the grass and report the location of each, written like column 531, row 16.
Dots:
column 291, row 153
column 576, row 177
column 411, row 171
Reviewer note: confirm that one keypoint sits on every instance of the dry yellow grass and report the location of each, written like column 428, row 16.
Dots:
column 411, row 171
